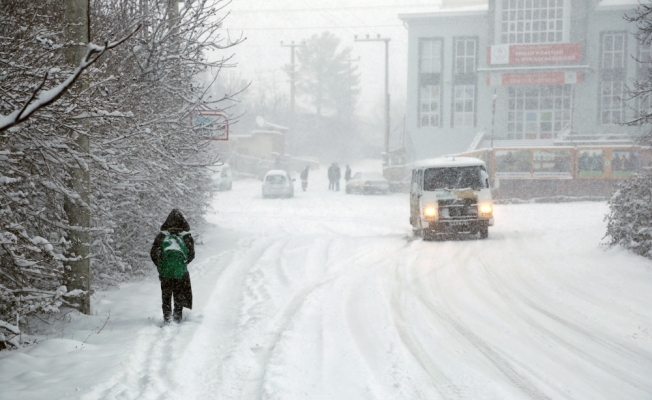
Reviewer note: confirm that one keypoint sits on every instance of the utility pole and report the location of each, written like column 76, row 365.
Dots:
column 293, row 77
column 493, row 116
column 386, row 40
column 77, row 274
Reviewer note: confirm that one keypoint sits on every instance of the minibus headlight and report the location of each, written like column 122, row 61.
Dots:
column 486, row 209
column 430, row 211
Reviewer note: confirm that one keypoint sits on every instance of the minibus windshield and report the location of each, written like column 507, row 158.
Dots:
column 452, row 178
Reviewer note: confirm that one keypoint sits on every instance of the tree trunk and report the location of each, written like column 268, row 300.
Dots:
column 77, row 273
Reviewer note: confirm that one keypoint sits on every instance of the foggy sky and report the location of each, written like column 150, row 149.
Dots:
column 266, row 23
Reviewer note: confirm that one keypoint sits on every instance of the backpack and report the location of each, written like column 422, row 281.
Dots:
column 174, row 256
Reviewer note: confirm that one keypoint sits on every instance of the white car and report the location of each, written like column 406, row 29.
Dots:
column 277, row 183
column 367, row 183
column 223, row 178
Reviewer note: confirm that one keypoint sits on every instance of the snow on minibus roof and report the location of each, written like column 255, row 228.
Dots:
column 448, row 162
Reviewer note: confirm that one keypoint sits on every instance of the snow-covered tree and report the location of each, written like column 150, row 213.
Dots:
column 135, row 105
column 630, row 217
column 629, row 222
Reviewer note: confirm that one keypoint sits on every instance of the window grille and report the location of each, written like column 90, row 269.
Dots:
column 532, row 21
column 464, row 105
column 465, row 50
column 430, row 107
column 538, row 112
column 612, row 107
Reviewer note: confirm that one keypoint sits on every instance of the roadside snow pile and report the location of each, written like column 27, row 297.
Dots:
column 629, row 223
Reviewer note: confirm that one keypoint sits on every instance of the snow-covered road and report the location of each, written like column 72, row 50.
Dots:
column 324, row 296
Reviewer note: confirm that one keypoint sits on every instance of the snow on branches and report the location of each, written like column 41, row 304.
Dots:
column 629, row 222
column 134, row 104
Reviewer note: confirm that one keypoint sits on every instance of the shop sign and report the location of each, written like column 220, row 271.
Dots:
column 545, row 53
column 534, row 78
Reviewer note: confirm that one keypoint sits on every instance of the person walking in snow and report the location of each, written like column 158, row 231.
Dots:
column 304, row 178
column 337, row 175
column 347, row 174
column 331, row 177
column 172, row 251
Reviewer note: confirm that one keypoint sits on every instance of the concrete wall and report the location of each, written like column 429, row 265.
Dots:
column 432, row 141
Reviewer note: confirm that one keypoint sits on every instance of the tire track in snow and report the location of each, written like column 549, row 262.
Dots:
column 439, row 380
column 293, row 308
column 246, row 338
column 635, row 354
column 499, row 362
column 606, row 366
column 145, row 372
column 357, row 287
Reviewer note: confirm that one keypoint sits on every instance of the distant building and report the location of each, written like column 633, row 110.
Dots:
column 556, row 70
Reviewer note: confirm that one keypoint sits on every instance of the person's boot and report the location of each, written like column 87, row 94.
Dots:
column 177, row 315
column 167, row 318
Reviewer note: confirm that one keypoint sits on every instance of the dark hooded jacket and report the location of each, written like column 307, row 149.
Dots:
column 175, row 223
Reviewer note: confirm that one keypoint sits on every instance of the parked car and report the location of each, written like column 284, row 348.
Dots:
column 277, row 183
column 223, row 178
column 367, row 183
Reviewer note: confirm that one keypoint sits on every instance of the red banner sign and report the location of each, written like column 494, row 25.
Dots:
column 534, row 78
column 545, row 53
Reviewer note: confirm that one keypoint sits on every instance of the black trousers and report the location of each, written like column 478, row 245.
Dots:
column 179, row 290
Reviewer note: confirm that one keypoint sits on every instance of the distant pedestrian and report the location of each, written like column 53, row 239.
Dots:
column 337, row 176
column 347, row 174
column 304, row 178
column 172, row 251
column 331, row 177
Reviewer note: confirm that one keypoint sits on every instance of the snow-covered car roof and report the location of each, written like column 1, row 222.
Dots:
column 449, row 162
column 372, row 175
column 276, row 172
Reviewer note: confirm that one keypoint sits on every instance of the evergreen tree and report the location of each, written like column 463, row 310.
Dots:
column 325, row 77
column 629, row 222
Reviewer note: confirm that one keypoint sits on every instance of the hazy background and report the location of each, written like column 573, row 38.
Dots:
column 260, row 58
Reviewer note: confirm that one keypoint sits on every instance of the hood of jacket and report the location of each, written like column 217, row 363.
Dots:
column 175, row 222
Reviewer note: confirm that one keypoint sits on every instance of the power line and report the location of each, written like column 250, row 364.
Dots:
column 317, row 27
column 270, row 10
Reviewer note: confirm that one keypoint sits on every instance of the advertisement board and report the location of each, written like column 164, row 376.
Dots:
column 211, row 125
column 513, row 164
column 552, row 164
column 624, row 163
column 590, row 163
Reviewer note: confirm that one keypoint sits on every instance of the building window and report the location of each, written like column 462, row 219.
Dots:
column 612, row 77
column 644, row 55
column 464, row 105
column 430, row 68
column 644, row 107
column 465, row 50
column 532, row 21
column 430, row 56
column 611, row 102
column 538, row 112
column 429, row 105
column 613, row 50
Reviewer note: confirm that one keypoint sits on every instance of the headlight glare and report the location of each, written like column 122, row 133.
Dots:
column 430, row 211
column 486, row 208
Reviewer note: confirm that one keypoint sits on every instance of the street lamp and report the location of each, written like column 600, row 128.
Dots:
column 386, row 40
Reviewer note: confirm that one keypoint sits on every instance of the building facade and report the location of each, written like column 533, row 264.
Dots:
column 521, row 72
